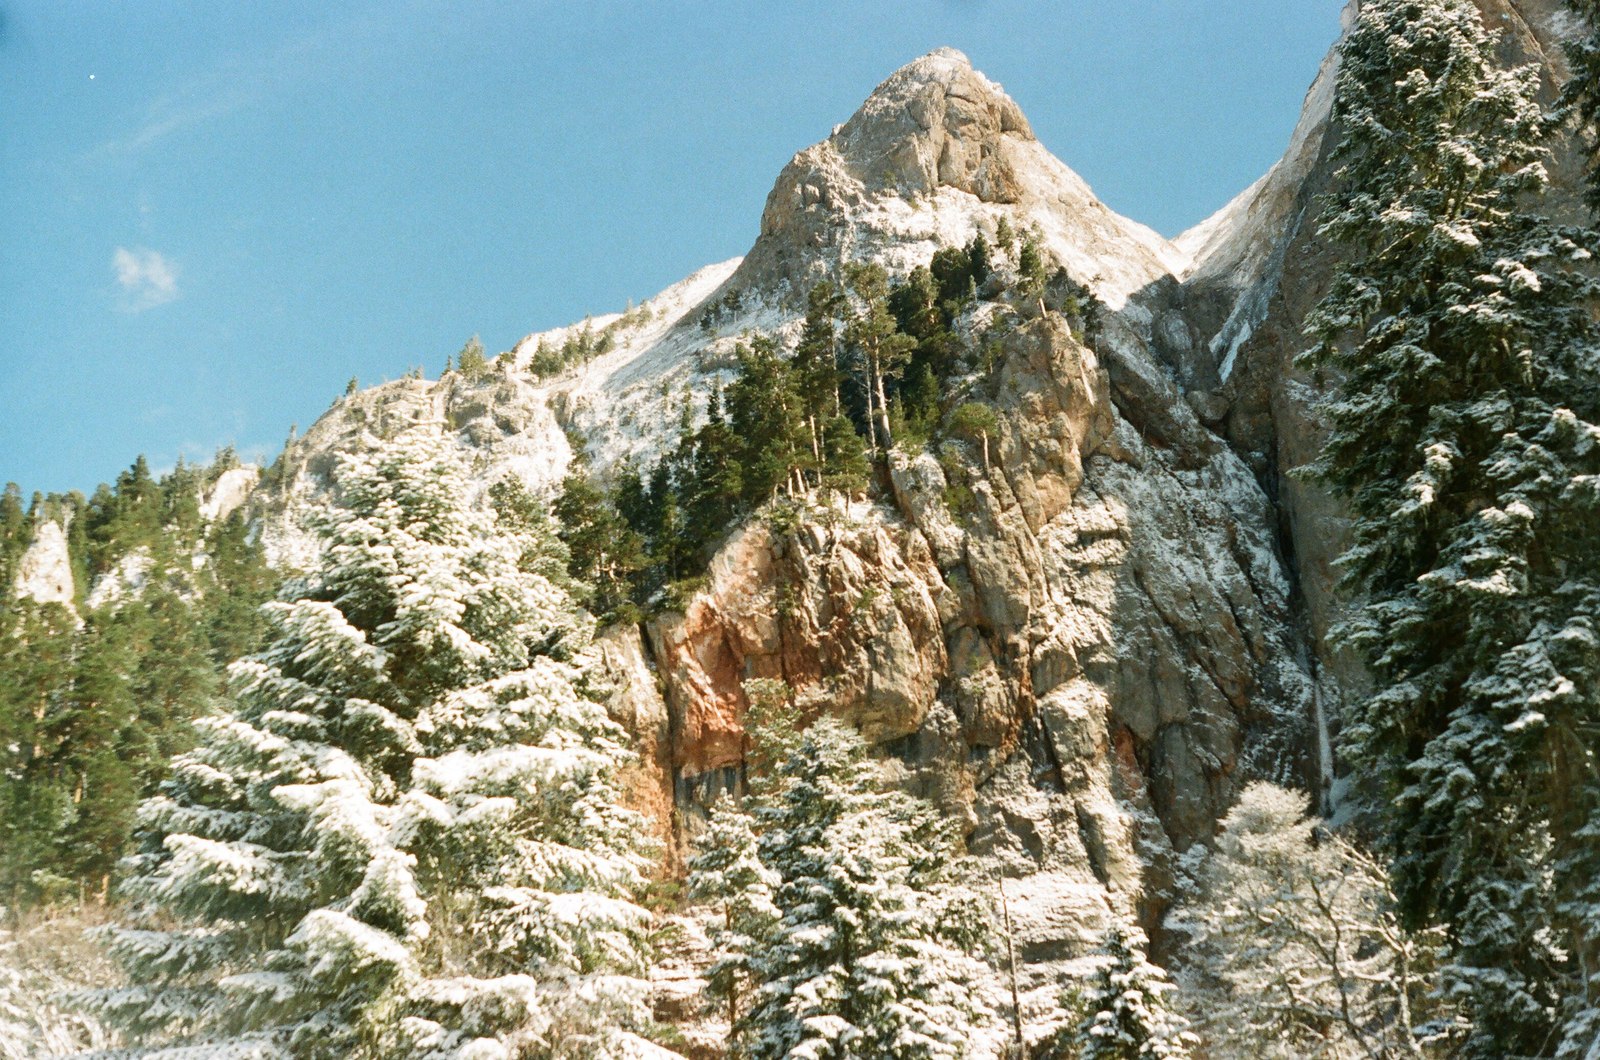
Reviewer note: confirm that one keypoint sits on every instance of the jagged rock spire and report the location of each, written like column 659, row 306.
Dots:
column 934, row 121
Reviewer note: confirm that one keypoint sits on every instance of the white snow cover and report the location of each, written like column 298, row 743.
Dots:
column 621, row 401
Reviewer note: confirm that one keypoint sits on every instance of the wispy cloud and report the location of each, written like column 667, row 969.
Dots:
column 239, row 79
column 172, row 113
column 147, row 279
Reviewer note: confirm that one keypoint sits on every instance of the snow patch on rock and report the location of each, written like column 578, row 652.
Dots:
column 1240, row 248
column 126, row 578
column 45, row 573
column 229, row 492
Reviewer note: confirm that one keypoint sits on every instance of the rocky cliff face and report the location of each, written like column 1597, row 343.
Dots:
column 1082, row 645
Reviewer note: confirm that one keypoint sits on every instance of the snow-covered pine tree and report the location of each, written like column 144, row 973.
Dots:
column 1465, row 433
column 873, row 955
column 315, row 878
column 1126, row 1014
column 728, row 875
column 1292, row 947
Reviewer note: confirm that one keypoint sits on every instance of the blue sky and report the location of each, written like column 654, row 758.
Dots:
column 213, row 215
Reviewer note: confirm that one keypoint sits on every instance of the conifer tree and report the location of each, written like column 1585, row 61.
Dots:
column 728, row 873
column 816, row 363
column 1126, row 1014
column 880, row 349
column 1030, row 267
column 605, row 553
column 975, row 419
column 1004, row 236
column 1463, row 433
column 471, row 362
column 765, row 416
column 36, row 652
column 870, row 952
column 404, row 840
column 922, row 314
column 16, row 534
column 978, row 263
column 844, row 457
column 720, row 470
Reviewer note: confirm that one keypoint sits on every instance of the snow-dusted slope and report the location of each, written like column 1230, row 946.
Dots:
column 516, row 424
column 621, row 399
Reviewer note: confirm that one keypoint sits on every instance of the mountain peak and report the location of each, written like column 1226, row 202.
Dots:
column 936, row 154
column 934, row 121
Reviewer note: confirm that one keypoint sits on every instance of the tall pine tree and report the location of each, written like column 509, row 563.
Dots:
column 404, row 841
column 867, row 951
column 1126, row 1014
column 1465, row 433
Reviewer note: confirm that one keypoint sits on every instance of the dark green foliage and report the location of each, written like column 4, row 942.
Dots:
column 768, row 421
column 720, row 311
column 1005, row 237
column 234, row 583
column 579, row 347
column 879, row 349
column 471, row 362
column 16, row 531
column 977, row 421
column 957, row 270
column 924, row 312
column 1030, row 268
column 90, row 713
column 520, row 510
column 605, row 554
column 90, row 717
column 36, row 805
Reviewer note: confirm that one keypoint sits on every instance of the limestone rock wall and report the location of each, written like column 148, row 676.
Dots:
column 44, row 573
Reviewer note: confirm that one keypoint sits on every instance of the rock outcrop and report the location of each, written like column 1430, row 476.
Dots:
column 230, row 492
column 44, row 574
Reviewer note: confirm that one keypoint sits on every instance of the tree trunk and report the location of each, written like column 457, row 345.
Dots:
column 871, row 389
column 883, row 406
column 1011, row 966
